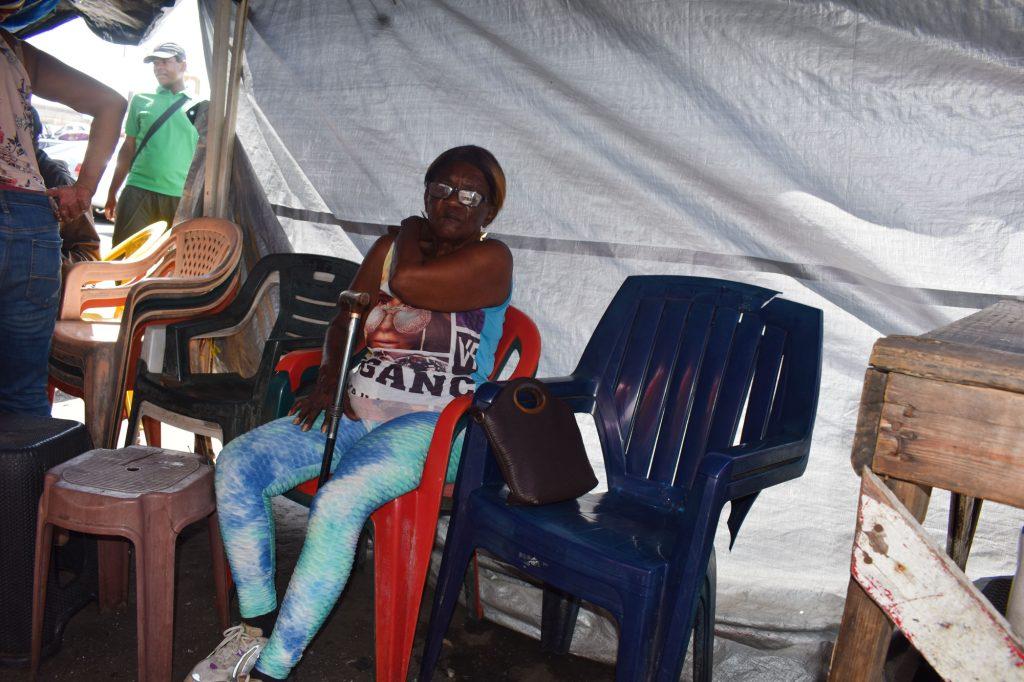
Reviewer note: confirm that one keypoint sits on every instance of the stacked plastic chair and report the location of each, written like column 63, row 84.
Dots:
column 192, row 272
column 403, row 529
column 227, row 404
column 703, row 392
column 139, row 244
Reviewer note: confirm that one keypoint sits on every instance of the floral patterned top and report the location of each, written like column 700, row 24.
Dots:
column 18, row 166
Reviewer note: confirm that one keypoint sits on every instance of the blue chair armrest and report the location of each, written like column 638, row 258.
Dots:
column 740, row 473
column 579, row 393
column 753, row 467
column 568, row 388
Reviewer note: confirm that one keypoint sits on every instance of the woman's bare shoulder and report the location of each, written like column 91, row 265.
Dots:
column 381, row 246
column 497, row 250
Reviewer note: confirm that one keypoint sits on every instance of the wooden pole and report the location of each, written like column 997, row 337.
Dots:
column 227, row 136
column 215, row 125
column 863, row 641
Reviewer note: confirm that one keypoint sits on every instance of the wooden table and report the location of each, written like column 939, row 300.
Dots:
column 945, row 410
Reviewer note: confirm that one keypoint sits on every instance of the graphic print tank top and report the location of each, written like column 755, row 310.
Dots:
column 18, row 166
column 419, row 360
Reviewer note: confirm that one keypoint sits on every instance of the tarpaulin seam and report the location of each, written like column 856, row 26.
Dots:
column 676, row 254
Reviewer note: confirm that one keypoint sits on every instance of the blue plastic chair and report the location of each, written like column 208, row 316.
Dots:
column 704, row 392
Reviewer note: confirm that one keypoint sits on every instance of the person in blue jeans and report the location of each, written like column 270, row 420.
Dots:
column 439, row 290
column 30, row 241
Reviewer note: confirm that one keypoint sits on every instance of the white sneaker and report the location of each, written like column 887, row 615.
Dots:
column 233, row 658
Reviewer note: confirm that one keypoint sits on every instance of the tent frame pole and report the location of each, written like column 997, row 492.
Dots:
column 227, row 134
column 215, row 126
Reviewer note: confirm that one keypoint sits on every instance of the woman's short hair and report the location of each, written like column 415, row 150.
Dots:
column 479, row 158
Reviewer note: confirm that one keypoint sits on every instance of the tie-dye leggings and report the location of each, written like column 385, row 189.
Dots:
column 371, row 467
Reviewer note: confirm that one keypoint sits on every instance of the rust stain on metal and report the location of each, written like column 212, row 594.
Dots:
column 900, row 567
column 868, row 559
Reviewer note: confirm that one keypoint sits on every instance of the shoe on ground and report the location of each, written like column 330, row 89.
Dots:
column 233, row 658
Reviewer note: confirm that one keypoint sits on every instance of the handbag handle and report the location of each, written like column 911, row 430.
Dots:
column 540, row 398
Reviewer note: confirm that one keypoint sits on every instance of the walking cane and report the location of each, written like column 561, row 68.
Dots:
column 356, row 301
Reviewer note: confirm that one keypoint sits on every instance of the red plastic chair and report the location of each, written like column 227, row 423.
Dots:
column 403, row 529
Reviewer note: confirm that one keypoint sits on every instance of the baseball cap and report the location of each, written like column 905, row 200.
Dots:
column 166, row 51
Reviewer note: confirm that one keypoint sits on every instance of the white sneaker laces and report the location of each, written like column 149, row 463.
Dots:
column 237, row 642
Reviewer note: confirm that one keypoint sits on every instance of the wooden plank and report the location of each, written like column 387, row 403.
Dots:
column 938, row 609
column 966, row 439
column 997, row 327
column 865, row 631
column 866, row 435
column 954, row 362
column 983, row 349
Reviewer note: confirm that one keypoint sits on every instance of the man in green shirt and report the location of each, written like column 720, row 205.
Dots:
column 155, row 165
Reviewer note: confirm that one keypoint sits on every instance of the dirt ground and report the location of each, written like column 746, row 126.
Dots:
column 101, row 646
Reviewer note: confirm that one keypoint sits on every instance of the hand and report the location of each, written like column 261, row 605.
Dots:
column 72, row 200
column 307, row 409
column 414, row 222
column 110, row 208
column 416, row 229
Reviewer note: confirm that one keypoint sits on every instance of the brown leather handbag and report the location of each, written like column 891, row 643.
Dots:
column 537, row 444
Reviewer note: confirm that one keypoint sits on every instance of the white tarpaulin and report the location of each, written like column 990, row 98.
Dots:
column 864, row 158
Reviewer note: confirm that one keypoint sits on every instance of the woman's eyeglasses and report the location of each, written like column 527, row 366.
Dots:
column 466, row 197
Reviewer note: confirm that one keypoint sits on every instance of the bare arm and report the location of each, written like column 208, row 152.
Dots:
column 121, row 169
column 478, row 275
column 57, row 81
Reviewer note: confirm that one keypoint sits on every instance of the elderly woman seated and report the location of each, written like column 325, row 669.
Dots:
column 439, row 289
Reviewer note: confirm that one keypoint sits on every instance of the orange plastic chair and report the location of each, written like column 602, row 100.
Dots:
column 403, row 529
column 191, row 272
column 135, row 247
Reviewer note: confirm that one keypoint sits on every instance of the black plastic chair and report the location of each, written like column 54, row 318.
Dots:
column 308, row 288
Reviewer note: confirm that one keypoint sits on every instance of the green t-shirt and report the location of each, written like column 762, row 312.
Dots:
column 164, row 162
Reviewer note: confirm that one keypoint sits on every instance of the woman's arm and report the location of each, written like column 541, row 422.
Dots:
column 478, row 275
column 367, row 279
column 55, row 80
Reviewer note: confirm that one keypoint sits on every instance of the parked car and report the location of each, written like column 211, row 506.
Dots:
column 72, row 153
column 72, row 132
